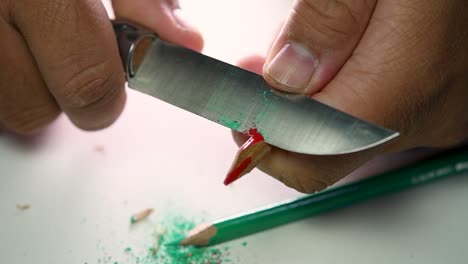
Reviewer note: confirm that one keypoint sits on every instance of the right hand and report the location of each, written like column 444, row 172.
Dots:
column 401, row 64
column 62, row 56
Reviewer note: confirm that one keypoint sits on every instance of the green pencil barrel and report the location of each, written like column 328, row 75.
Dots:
column 310, row 205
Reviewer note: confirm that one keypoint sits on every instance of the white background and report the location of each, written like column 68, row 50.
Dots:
column 81, row 197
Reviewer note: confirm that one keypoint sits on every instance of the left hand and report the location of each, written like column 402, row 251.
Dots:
column 61, row 56
column 165, row 17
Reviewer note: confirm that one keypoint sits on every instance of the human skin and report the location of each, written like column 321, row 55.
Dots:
column 401, row 64
column 62, row 56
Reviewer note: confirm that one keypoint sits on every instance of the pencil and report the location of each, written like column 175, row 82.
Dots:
column 249, row 155
column 141, row 215
column 437, row 167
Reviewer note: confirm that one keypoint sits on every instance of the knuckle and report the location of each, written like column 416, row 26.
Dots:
column 334, row 21
column 48, row 17
column 90, row 85
column 31, row 121
column 55, row 13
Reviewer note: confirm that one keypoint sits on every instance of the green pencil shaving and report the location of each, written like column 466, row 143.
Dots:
column 437, row 167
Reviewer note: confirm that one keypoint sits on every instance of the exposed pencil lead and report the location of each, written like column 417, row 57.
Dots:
column 249, row 155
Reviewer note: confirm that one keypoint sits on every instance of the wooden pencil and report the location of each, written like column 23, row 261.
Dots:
column 141, row 215
column 249, row 155
column 437, row 167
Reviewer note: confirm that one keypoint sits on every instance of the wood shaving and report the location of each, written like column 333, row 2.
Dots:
column 23, row 207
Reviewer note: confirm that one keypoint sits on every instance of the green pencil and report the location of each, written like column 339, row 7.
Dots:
column 440, row 166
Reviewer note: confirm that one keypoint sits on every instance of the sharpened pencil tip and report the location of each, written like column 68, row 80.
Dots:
column 249, row 155
column 237, row 172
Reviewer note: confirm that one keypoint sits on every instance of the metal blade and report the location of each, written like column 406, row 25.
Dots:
column 240, row 100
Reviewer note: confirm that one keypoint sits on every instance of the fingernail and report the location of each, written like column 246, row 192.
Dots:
column 293, row 67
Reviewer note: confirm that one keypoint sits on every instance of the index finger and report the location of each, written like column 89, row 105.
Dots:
column 76, row 51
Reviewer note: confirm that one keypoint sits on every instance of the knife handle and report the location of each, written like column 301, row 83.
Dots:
column 133, row 41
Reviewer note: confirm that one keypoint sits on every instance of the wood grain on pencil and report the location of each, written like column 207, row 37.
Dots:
column 249, row 155
column 200, row 235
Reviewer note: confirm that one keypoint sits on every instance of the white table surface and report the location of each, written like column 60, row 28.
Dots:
column 82, row 187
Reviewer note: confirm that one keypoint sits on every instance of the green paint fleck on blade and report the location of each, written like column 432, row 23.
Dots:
column 232, row 124
column 270, row 106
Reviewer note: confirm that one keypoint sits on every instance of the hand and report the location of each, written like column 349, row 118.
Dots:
column 62, row 56
column 164, row 17
column 401, row 64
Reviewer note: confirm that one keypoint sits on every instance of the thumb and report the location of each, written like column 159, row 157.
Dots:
column 164, row 17
column 315, row 42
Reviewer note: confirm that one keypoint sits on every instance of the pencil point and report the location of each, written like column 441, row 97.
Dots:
column 237, row 171
column 199, row 236
column 141, row 215
column 248, row 156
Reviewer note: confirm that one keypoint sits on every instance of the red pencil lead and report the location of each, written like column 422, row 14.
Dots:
column 237, row 171
column 248, row 156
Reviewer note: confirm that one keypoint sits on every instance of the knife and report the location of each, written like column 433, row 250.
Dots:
column 239, row 99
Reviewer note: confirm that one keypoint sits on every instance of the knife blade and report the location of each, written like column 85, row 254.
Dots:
column 239, row 99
